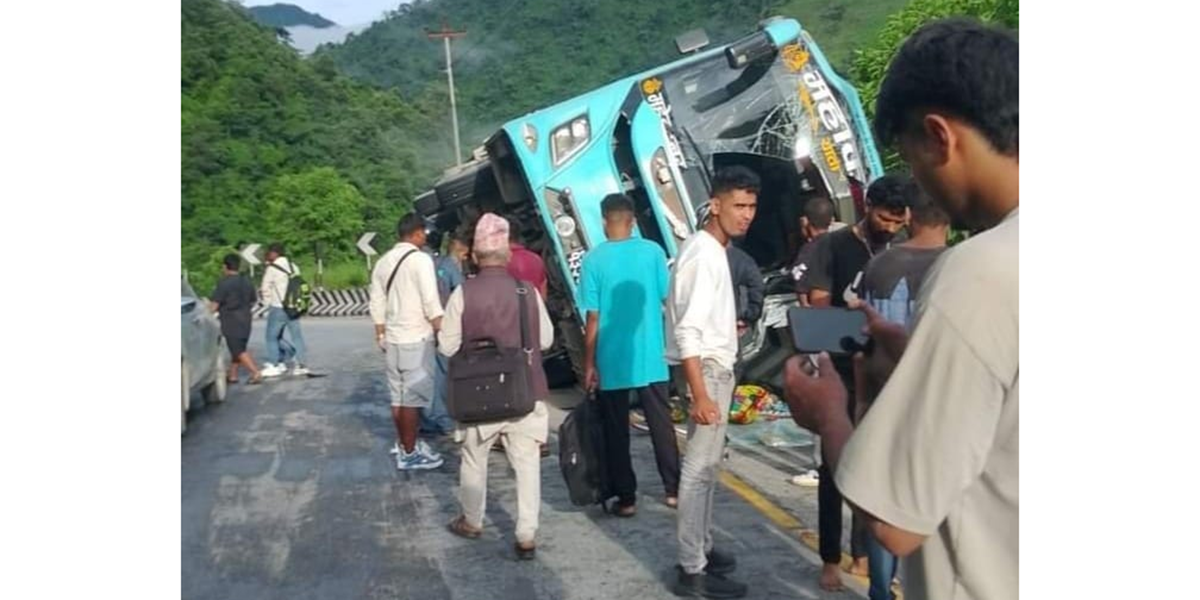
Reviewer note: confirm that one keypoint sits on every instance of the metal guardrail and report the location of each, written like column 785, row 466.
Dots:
column 332, row 303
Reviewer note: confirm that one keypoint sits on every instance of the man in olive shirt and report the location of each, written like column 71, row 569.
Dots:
column 891, row 284
column 934, row 466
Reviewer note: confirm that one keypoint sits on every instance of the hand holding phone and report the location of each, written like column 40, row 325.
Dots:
column 831, row 330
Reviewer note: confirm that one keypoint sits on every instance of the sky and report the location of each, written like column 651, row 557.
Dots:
column 342, row 12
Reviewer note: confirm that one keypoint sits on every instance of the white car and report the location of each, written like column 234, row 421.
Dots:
column 204, row 359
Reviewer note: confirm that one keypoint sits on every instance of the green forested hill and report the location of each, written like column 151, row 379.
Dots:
column 276, row 147
column 519, row 55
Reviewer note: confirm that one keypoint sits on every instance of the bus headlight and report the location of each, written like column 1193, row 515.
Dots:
column 568, row 138
column 801, row 147
column 565, row 226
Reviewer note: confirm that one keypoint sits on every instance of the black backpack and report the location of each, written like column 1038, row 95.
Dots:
column 581, row 455
column 298, row 297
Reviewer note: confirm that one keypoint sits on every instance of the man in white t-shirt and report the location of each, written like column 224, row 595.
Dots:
column 933, row 466
column 702, row 340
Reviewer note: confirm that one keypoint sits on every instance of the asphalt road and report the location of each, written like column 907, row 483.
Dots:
column 288, row 491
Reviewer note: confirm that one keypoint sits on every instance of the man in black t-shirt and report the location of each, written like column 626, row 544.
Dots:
column 833, row 277
column 233, row 300
column 835, row 274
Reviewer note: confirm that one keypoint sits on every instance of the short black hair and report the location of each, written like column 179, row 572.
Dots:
column 409, row 224
column 613, row 203
column 514, row 229
column 277, row 248
column 892, row 192
column 736, row 177
column 435, row 239
column 232, row 261
column 462, row 234
column 926, row 212
column 959, row 66
column 819, row 212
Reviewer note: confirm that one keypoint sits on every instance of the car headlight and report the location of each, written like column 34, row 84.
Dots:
column 565, row 226
column 529, row 135
column 568, row 138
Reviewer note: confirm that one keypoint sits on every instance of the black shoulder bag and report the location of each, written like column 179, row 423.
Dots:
column 487, row 383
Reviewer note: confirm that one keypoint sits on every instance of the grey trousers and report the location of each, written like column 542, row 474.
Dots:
column 698, row 479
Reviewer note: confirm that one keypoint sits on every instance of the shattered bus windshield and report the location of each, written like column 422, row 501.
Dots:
column 724, row 109
column 781, row 107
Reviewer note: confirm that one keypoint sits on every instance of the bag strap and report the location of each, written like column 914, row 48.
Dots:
column 394, row 271
column 522, row 294
column 288, row 272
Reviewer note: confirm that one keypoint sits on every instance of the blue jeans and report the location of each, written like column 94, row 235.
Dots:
column 435, row 419
column 280, row 350
column 882, row 566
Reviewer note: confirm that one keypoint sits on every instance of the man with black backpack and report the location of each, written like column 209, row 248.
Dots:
column 285, row 294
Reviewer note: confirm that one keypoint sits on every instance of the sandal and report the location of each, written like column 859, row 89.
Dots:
column 255, row 380
column 460, row 528
column 525, row 552
column 233, row 380
column 672, row 501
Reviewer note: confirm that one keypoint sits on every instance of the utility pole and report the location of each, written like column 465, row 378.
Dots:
column 445, row 34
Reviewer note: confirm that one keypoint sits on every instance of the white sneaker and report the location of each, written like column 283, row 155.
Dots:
column 421, row 446
column 427, row 450
column 418, row 460
column 273, row 370
column 300, row 370
column 638, row 421
column 809, row 479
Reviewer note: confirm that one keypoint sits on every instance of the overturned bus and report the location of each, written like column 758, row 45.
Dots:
column 769, row 101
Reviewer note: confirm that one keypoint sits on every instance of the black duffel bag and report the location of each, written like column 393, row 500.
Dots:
column 581, row 454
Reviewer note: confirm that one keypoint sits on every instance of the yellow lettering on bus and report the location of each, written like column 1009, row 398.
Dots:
column 831, row 154
column 807, row 102
column 794, row 58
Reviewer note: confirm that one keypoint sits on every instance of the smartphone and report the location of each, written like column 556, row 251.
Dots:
column 832, row 330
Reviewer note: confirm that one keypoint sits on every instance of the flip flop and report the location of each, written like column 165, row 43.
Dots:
column 255, row 380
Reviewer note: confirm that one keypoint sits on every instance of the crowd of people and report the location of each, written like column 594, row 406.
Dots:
column 918, row 434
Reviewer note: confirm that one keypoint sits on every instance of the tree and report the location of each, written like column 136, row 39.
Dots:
column 278, row 147
column 311, row 207
column 870, row 64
